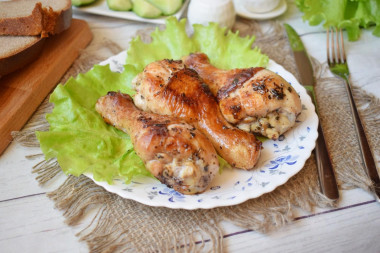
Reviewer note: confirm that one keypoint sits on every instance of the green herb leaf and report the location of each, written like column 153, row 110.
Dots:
column 349, row 14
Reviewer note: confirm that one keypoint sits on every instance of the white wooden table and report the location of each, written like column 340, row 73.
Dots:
column 29, row 222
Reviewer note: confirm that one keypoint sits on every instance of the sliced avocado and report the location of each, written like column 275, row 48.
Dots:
column 145, row 9
column 119, row 5
column 168, row 7
column 82, row 2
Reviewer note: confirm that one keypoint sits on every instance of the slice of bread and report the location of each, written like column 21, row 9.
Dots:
column 17, row 51
column 34, row 17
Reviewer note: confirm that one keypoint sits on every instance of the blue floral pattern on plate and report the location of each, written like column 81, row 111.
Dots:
column 279, row 161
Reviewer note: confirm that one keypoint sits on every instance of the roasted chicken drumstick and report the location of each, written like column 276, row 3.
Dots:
column 253, row 99
column 173, row 151
column 167, row 87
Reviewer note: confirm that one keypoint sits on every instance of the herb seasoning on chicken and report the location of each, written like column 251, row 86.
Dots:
column 167, row 87
column 254, row 99
column 175, row 152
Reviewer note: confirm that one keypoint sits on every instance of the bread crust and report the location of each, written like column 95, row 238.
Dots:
column 42, row 21
column 22, row 57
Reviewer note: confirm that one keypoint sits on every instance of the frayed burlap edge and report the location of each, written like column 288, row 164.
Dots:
column 122, row 225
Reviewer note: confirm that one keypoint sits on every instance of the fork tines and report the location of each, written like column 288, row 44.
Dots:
column 337, row 54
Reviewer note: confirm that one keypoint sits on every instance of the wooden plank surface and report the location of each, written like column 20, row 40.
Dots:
column 30, row 223
column 22, row 91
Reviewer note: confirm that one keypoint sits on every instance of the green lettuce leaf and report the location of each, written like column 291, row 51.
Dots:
column 224, row 50
column 348, row 14
column 80, row 139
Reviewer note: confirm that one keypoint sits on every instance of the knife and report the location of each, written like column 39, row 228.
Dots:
column 326, row 174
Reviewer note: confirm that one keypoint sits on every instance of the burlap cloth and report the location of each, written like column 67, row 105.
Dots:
column 122, row 225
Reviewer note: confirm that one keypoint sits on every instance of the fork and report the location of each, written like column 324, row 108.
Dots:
column 336, row 59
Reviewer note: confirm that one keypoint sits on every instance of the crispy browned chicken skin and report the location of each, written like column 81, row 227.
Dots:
column 254, row 99
column 175, row 152
column 167, row 87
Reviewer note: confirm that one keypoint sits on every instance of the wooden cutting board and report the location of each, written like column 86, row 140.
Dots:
column 23, row 91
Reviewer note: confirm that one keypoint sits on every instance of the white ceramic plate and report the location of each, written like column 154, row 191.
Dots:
column 279, row 161
column 243, row 12
column 100, row 8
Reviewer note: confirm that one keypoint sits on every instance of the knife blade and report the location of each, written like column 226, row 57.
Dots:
column 326, row 174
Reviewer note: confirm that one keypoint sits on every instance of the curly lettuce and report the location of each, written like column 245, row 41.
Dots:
column 348, row 14
column 80, row 139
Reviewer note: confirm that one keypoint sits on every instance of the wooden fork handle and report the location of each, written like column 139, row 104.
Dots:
column 368, row 159
column 325, row 170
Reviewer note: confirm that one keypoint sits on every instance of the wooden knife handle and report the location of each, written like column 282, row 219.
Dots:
column 327, row 179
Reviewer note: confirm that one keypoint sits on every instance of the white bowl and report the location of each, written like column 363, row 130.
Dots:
column 260, row 6
column 218, row 11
